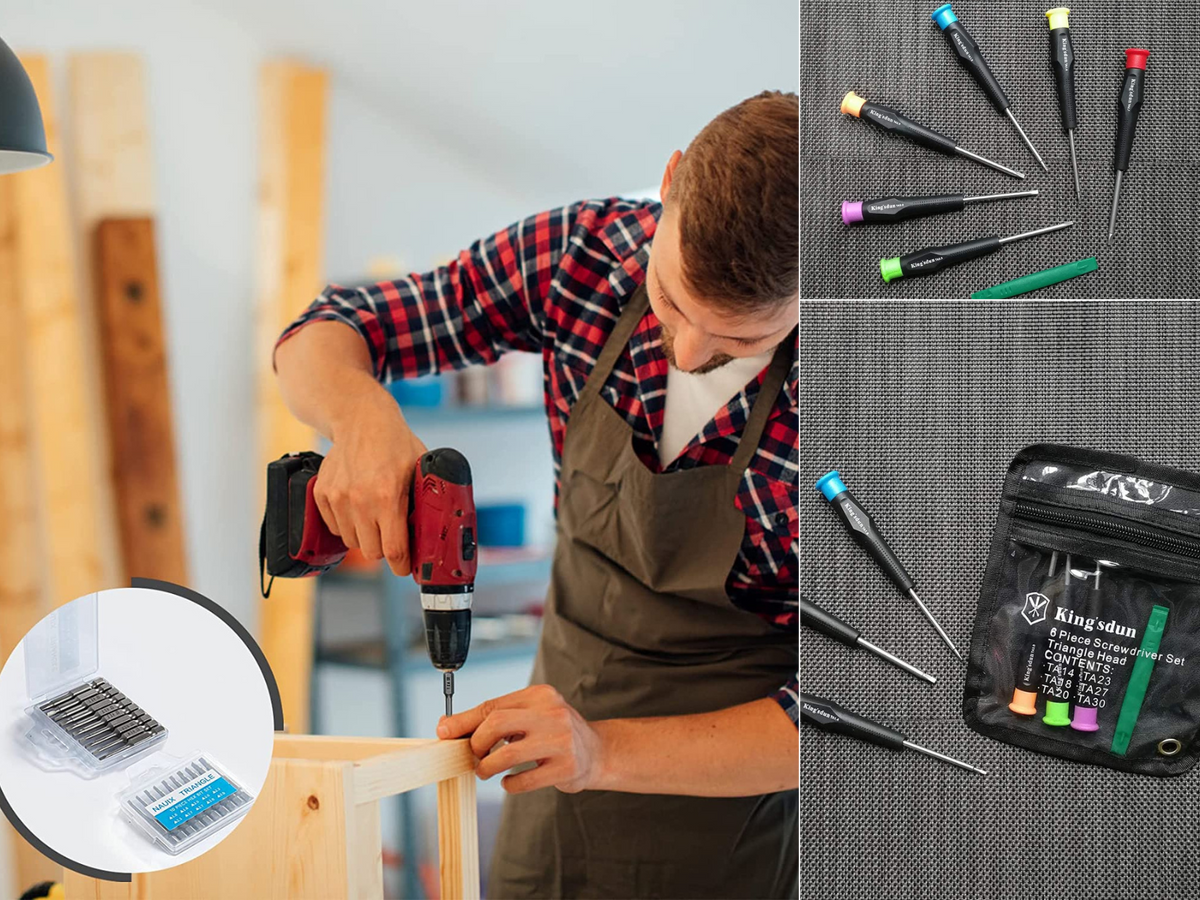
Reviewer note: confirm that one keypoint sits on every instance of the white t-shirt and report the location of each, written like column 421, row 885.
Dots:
column 693, row 400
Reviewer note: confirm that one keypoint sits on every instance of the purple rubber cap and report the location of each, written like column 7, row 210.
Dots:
column 851, row 212
column 1084, row 719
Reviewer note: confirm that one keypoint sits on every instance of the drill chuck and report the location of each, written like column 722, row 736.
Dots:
column 448, row 637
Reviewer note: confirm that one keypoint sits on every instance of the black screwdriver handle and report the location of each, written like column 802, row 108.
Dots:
column 1062, row 63
column 896, row 209
column 894, row 123
column 828, row 716
column 865, row 533
column 966, row 51
column 1129, row 107
column 935, row 259
column 827, row 623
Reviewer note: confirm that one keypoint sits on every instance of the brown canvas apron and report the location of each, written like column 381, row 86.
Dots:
column 638, row 623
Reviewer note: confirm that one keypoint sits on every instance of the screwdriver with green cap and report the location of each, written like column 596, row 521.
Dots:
column 1062, row 63
column 934, row 259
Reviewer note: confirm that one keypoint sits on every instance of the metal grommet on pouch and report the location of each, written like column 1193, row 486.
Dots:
column 1169, row 746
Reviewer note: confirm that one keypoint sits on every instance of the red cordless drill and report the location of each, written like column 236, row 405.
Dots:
column 296, row 543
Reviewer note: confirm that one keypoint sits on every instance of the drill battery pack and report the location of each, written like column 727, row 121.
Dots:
column 293, row 542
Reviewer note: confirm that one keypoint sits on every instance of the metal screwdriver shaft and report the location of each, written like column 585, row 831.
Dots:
column 966, row 51
column 831, row 626
column 448, row 690
column 887, row 119
column 1129, row 107
column 828, row 716
column 932, row 260
column 1062, row 64
column 896, row 209
column 864, row 532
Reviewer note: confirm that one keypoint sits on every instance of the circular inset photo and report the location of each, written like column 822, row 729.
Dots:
column 137, row 730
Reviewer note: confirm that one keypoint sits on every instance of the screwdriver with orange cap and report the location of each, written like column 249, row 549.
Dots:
column 894, row 123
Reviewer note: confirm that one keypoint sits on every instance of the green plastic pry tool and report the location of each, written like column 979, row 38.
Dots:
column 1035, row 280
column 1139, row 680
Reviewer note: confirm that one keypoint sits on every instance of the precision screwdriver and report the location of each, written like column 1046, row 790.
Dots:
column 865, row 533
column 895, row 123
column 933, row 259
column 828, row 716
column 1129, row 107
column 966, row 51
column 1062, row 63
column 832, row 627
column 896, row 209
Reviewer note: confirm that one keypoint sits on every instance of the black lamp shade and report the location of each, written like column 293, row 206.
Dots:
column 22, row 137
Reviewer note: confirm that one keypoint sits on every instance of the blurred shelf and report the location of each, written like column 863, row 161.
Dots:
column 372, row 653
column 451, row 415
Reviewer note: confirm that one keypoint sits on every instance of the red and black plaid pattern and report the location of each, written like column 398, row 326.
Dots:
column 555, row 284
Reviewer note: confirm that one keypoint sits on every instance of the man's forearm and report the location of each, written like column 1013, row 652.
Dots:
column 744, row 750
column 324, row 372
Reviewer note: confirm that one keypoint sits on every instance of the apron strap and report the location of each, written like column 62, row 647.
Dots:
column 613, row 347
column 756, row 422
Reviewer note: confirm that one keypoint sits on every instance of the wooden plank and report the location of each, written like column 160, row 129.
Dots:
column 458, row 838
column 22, row 602
column 413, row 767
column 335, row 747
column 138, row 400
column 64, row 420
column 80, row 887
column 292, row 164
column 113, row 178
column 364, row 843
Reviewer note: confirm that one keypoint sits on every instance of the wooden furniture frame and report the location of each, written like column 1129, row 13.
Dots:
column 313, row 833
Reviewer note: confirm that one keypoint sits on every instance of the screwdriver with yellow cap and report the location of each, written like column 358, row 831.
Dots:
column 1062, row 63
column 894, row 123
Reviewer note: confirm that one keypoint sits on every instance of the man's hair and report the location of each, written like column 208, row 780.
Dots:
column 735, row 193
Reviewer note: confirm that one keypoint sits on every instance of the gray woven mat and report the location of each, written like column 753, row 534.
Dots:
column 921, row 407
column 891, row 52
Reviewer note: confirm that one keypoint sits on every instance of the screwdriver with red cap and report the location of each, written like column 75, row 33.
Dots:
column 1129, row 107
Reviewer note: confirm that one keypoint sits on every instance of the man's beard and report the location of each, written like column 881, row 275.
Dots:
column 668, row 346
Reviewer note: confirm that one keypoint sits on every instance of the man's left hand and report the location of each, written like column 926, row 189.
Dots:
column 541, row 728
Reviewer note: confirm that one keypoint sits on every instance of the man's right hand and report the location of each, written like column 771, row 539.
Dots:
column 362, row 488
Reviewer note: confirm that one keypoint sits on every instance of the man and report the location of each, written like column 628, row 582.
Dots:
column 662, row 711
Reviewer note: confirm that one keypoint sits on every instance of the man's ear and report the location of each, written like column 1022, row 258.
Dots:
column 669, row 174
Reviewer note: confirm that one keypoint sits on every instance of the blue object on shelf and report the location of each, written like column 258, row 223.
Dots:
column 501, row 525
column 425, row 391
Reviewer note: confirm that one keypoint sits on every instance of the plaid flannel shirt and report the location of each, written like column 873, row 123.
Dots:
column 555, row 284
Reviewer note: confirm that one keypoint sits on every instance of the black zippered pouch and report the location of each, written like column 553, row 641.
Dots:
column 1087, row 638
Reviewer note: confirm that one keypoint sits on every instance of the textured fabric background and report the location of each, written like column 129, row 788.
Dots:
column 891, row 52
column 921, row 407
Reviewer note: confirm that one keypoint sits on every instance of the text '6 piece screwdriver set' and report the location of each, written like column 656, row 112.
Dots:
column 966, row 51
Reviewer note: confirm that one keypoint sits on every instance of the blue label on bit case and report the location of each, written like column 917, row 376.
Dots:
column 191, row 800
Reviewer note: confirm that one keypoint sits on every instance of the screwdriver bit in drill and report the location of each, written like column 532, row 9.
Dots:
column 865, row 533
column 832, row 627
column 932, row 260
column 896, row 209
column 1062, row 63
column 889, row 120
column 828, row 716
column 1129, row 107
column 966, row 51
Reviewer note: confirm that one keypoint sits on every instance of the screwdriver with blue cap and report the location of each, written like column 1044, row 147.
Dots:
column 865, row 533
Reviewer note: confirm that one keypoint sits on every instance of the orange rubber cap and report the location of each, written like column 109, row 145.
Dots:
column 852, row 104
column 1024, row 703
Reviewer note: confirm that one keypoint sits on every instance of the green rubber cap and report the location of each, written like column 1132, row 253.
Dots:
column 890, row 268
column 1032, row 282
column 1057, row 713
